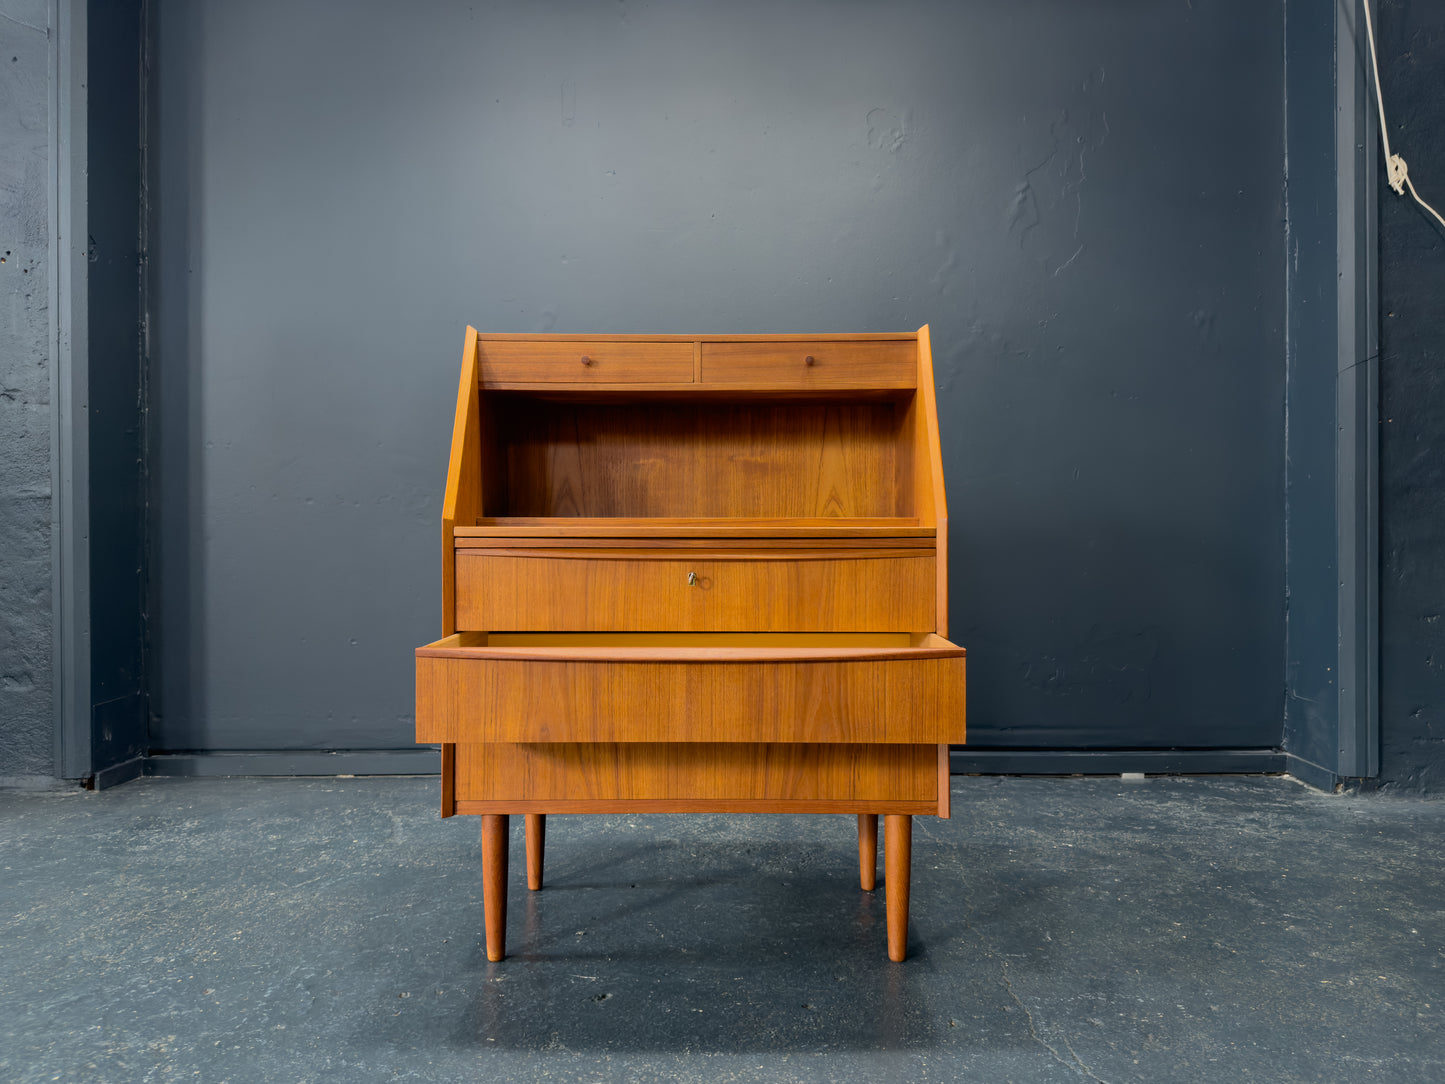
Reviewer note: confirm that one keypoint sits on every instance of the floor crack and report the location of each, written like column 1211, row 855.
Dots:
column 1077, row 1063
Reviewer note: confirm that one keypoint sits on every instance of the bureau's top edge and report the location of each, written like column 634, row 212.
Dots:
column 569, row 337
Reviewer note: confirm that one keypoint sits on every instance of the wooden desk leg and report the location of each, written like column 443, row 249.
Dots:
column 536, row 824
column 495, row 837
column 868, row 850
column 898, row 864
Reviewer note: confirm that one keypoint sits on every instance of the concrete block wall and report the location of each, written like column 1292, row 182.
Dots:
column 26, row 687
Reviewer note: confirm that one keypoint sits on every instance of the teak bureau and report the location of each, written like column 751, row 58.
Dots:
column 694, row 574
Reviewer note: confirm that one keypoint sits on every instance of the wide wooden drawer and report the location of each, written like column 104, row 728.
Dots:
column 659, row 590
column 881, row 363
column 584, row 362
column 738, row 776
column 690, row 687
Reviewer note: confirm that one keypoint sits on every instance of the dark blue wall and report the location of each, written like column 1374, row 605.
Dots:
column 1412, row 385
column 1085, row 201
column 119, row 723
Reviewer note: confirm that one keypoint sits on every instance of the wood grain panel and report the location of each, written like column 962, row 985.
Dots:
column 701, row 647
column 722, row 544
column 462, row 499
column 701, row 460
column 635, row 527
column 596, row 591
column 586, row 362
column 929, row 453
column 697, row 805
column 893, row 363
column 944, row 782
column 449, row 778
column 659, row 394
column 618, row 549
column 702, row 771
column 572, row 336
column 529, row 700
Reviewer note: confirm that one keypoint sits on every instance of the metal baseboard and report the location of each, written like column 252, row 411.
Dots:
column 966, row 761
column 117, row 774
column 962, row 761
column 421, row 761
column 1310, row 773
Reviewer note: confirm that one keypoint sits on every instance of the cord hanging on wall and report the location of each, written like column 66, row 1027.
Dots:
column 1396, row 172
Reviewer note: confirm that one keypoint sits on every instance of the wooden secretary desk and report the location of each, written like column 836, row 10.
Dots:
column 694, row 574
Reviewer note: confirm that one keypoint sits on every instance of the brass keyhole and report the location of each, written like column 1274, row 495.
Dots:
column 692, row 579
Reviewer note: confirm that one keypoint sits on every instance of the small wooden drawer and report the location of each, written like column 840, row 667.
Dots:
column 714, row 776
column 690, row 687
column 504, row 362
column 884, row 363
column 592, row 590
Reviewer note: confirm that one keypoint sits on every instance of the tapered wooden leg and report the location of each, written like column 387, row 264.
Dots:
column 536, row 848
column 898, row 864
column 494, row 882
column 868, row 850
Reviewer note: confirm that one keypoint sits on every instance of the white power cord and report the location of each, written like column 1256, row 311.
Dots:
column 1396, row 172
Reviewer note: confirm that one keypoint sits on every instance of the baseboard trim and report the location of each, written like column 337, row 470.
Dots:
column 117, row 774
column 962, row 761
column 1310, row 773
column 421, row 761
column 966, row 761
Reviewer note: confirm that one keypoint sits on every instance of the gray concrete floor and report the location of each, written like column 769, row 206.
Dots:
column 1063, row 930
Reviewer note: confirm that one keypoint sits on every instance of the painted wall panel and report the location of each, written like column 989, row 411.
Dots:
column 1412, row 388
column 1084, row 201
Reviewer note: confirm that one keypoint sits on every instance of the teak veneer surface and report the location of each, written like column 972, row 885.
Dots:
column 810, row 362
column 875, row 590
column 597, row 361
column 462, row 500
column 721, row 771
column 691, row 527
column 786, row 336
column 696, row 805
column 786, row 696
column 719, row 543
column 764, row 460
column 692, row 646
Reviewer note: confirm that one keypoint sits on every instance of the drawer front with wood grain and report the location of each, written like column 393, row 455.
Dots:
column 628, row 591
column 558, row 688
column 888, row 363
column 621, row 776
column 503, row 362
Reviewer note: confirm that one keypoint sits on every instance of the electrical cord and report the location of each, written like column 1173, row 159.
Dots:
column 1396, row 172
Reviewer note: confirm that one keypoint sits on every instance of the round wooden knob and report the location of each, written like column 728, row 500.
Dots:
column 810, row 360
column 587, row 361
